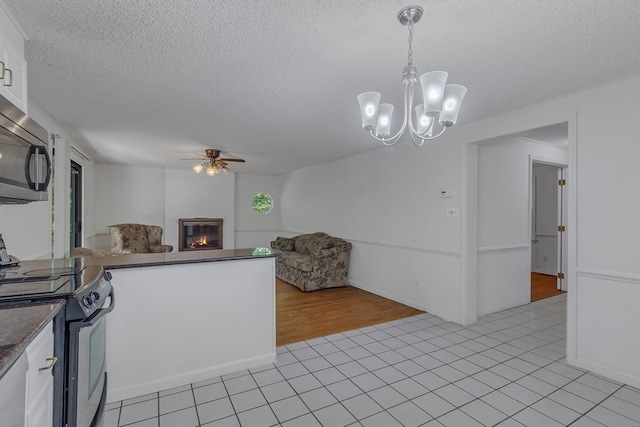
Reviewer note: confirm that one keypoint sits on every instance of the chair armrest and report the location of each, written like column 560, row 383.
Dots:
column 283, row 244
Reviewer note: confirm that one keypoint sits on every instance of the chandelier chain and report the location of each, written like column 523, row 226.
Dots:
column 410, row 53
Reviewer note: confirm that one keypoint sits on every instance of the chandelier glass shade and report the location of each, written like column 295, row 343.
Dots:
column 441, row 101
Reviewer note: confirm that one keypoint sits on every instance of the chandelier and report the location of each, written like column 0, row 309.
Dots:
column 441, row 101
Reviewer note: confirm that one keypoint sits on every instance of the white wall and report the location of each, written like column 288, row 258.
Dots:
column 544, row 253
column 255, row 230
column 159, row 196
column 504, row 249
column 26, row 229
column 386, row 203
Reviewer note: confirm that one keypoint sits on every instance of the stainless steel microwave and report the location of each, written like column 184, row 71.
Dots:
column 25, row 165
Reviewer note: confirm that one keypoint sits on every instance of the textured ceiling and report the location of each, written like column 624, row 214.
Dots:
column 148, row 82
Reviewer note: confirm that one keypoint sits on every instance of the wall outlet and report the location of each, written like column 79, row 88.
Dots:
column 453, row 213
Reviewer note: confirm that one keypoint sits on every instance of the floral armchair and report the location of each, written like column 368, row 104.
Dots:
column 313, row 261
column 137, row 239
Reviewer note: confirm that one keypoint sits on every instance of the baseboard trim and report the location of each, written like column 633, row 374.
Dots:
column 122, row 393
column 604, row 371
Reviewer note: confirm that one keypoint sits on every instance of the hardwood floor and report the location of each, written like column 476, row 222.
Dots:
column 304, row 315
column 543, row 286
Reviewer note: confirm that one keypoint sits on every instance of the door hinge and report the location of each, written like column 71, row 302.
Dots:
column 562, row 228
column 560, row 275
column 562, row 182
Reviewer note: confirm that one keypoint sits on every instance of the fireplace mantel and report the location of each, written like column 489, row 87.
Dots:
column 196, row 234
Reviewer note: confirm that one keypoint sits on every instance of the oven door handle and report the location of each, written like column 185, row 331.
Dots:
column 95, row 317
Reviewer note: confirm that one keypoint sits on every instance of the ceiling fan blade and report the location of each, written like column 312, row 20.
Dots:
column 193, row 158
column 233, row 160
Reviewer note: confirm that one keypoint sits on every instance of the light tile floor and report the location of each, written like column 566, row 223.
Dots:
column 508, row 369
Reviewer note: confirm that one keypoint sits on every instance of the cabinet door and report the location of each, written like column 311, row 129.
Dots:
column 39, row 393
column 12, row 394
column 13, row 85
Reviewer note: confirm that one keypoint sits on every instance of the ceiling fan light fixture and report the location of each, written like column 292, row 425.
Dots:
column 212, row 163
column 441, row 102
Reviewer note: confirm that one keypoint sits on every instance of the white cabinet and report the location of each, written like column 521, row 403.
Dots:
column 39, row 380
column 12, row 394
column 26, row 389
column 13, row 77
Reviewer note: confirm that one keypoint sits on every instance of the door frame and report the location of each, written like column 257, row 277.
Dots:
column 76, row 215
column 469, row 214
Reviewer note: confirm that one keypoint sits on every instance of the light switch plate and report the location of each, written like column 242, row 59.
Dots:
column 453, row 213
column 447, row 193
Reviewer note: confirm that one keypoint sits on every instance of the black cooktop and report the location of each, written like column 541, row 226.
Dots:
column 42, row 278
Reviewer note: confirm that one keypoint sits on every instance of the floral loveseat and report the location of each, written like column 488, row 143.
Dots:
column 313, row 261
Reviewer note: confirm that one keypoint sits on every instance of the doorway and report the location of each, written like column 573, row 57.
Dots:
column 548, row 247
column 499, row 213
column 75, row 214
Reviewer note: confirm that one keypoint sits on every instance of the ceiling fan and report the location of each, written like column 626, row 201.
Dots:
column 213, row 163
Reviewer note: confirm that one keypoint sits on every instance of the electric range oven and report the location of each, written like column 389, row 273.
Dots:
column 79, row 377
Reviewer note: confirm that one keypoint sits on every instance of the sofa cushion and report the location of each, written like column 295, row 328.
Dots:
column 297, row 260
column 310, row 243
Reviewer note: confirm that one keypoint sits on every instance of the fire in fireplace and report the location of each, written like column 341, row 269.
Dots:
column 199, row 233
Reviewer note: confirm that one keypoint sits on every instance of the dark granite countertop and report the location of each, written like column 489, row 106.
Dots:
column 174, row 258
column 19, row 324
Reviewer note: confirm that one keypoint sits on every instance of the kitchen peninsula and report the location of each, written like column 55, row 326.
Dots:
column 187, row 316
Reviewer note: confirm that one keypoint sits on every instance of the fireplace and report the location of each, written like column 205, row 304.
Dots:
column 199, row 233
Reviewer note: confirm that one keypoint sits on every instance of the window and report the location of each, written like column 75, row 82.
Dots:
column 262, row 203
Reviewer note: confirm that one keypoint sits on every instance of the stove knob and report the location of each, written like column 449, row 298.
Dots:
column 107, row 275
column 94, row 296
column 87, row 301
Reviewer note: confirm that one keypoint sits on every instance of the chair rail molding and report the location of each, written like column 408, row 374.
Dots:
column 503, row 248
column 617, row 276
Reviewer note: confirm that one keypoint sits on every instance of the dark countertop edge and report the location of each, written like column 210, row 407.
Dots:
column 175, row 258
column 19, row 348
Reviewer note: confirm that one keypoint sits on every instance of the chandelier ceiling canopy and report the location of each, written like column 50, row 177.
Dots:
column 441, row 101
